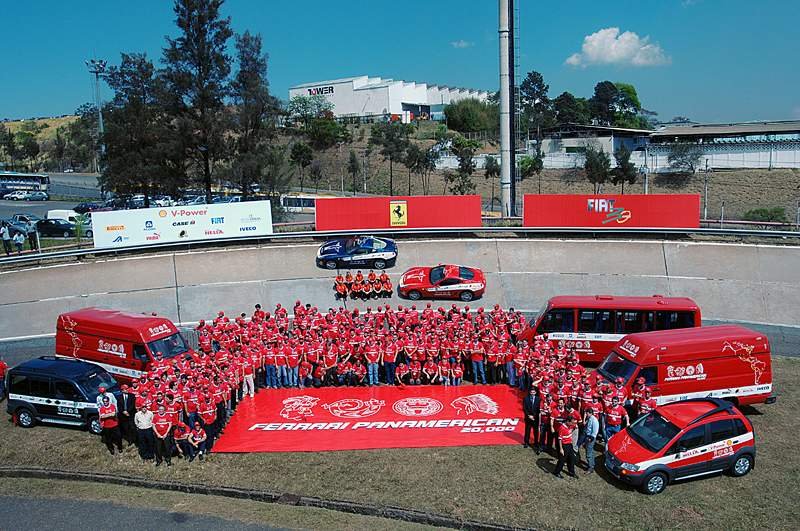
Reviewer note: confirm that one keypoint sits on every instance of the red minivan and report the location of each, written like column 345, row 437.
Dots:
column 124, row 344
column 682, row 440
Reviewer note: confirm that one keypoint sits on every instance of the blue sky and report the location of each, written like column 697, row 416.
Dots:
column 710, row 60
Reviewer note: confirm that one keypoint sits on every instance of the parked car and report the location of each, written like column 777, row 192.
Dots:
column 357, row 251
column 54, row 390
column 682, row 440
column 16, row 195
column 58, row 228
column 83, row 208
column 442, row 282
column 24, row 218
column 36, row 196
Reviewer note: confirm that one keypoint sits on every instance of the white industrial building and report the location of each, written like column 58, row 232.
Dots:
column 365, row 98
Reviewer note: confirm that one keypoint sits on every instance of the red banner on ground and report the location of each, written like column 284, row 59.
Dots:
column 430, row 211
column 612, row 211
column 359, row 418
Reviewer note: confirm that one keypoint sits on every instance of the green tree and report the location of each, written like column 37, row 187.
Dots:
column 766, row 214
column 133, row 146
column 353, row 168
column 491, row 171
column 597, row 167
column 569, row 109
column 254, row 112
column 461, row 181
column 325, row 133
column 301, row 156
column 530, row 166
column 81, row 137
column 471, row 115
column 625, row 170
column 196, row 70
column 315, row 171
column 535, row 102
column 392, row 140
column 603, row 104
column 308, row 107
column 684, row 156
column 277, row 170
column 28, row 146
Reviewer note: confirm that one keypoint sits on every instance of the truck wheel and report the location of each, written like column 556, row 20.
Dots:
column 93, row 425
column 466, row 296
column 742, row 465
column 25, row 418
column 414, row 295
column 655, row 483
column 379, row 264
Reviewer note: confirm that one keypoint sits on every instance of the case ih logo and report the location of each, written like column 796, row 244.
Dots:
column 606, row 206
column 160, row 329
column 320, row 91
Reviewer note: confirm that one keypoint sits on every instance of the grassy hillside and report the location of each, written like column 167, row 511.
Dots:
column 47, row 126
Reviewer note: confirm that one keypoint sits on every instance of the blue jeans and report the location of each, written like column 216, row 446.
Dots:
column 372, row 374
column 283, row 376
column 294, row 375
column 389, row 368
column 511, row 371
column 272, row 376
column 456, row 381
column 478, row 372
column 611, row 430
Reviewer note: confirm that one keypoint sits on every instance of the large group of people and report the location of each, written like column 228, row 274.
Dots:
column 358, row 286
column 181, row 405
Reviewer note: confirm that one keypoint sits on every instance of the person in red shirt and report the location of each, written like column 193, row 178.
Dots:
column 3, row 369
column 458, row 373
column 415, row 368
column 566, row 450
column 318, row 376
column 545, row 435
column 355, row 290
column 444, row 371
column 180, row 434
column 615, row 416
column 359, row 374
column 110, row 426
column 386, row 287
column 430, row 372
column 645, row 404
column 208, row 416
column 197, row 442
column 162, row 428
column 476, row 356
column 304, row 374
column 293, row 366
column 401, row 374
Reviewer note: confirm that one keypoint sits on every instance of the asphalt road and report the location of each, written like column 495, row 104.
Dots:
column 56, row 514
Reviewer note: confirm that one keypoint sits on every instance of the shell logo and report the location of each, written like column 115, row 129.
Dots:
column 162, row 213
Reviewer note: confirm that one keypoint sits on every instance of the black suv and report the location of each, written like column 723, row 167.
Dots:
column 54, row 390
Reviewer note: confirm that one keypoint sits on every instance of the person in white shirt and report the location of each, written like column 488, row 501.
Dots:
column 6, row 237
column 103, row 394
column 19, row 241
column 144, row 432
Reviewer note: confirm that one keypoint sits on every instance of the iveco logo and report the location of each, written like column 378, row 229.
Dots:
column 246, row 229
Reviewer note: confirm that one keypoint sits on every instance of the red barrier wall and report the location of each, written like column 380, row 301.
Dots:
column 349, row 213
column 612, row 211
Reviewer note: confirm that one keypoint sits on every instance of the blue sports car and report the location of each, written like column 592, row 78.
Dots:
column 357, row 251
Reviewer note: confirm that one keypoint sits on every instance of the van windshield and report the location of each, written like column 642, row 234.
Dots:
column 653, row 431
column 615, row 366
column 169, row 346
column 92, row 381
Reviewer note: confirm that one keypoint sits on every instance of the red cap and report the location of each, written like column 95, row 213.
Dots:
column 619, row 380
column 101, row 389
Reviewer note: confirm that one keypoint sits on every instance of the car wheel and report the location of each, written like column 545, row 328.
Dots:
column 742, row 465
column 94, row 426
column 66, row 234
column 466, row 296
column 89, row 234
column 331, row 264
column 655, row 483
column 25, row 418
column 414, row 295
column 379, row 264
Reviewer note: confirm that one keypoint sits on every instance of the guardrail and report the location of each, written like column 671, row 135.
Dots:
column 593, row 232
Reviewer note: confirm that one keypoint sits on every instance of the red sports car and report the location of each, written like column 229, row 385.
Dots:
column 442, row 282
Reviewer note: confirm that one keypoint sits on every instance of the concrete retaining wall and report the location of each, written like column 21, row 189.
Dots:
column 731, row 282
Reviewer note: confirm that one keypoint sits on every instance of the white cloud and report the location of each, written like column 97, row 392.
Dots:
column 461, row 43
column 610, row 47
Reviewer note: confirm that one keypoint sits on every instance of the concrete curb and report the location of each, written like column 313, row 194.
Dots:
column 365, row 509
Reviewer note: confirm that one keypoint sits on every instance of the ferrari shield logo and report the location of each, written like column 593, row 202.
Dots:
column 398, row 214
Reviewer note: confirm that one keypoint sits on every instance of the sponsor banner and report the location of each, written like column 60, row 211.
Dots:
column 352, row 213
column 121, row 228
column 612, row 211
column 358, row 418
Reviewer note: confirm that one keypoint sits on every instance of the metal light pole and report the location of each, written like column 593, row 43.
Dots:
column 98, row 67
column 705, row 193
column 505, row 109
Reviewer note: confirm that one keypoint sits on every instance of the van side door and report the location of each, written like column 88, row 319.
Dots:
column 689, row 453
column 41, row 395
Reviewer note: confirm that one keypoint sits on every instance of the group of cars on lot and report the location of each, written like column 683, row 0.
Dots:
column 26, row 195
column 56, row 224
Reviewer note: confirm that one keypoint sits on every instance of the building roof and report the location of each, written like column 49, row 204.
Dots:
column 571, row 127
column 327, row 82
column 612, row 302
column 745, row 128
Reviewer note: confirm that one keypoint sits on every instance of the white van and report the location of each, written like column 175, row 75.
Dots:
column 68, row 215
